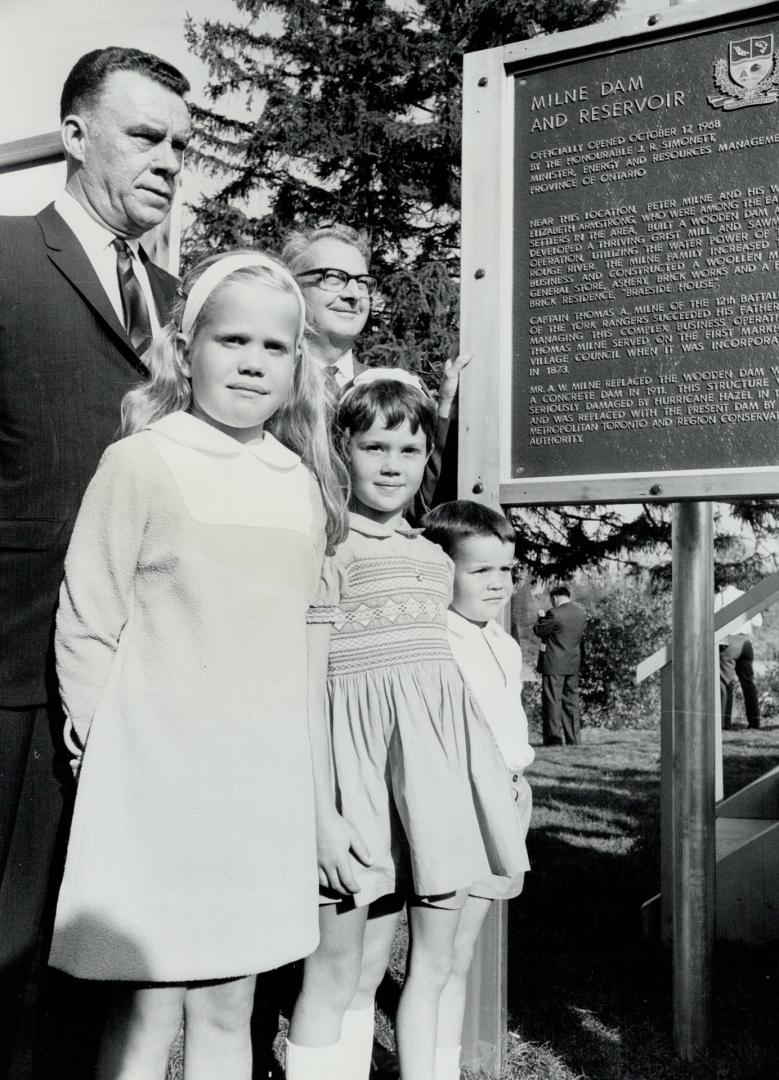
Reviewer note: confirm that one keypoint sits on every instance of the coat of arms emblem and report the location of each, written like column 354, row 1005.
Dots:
column 749, row 76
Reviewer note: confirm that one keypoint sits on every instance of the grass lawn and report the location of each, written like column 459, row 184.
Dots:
column 588, row 998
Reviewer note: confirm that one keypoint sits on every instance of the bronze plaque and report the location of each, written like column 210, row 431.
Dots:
column 646, row 257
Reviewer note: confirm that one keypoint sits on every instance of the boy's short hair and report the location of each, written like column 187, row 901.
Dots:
column 451, row 522
column 560, row 590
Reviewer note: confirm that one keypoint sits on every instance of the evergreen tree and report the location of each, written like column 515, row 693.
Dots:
column 350, row 110
column 353, row 113
column 555, row 542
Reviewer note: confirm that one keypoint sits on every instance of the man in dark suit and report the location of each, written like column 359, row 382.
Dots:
column 79, row 301
column 560, row 630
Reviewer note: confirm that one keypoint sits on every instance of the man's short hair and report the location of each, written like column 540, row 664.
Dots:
column 297, row 242
column 89, row 73
column 560, row 590
column 451, row 522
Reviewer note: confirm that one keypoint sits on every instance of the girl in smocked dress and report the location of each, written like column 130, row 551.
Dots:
column 181, row 652
column 416, row 768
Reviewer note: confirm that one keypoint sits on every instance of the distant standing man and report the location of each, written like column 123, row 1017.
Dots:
column 735, row 662
column 79, row 301
column 560, row 629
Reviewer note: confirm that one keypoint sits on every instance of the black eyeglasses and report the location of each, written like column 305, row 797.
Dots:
column 333, row 280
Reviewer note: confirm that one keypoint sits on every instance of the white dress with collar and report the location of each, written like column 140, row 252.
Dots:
column 181, row 652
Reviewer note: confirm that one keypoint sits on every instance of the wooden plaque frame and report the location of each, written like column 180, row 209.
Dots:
column 489, row 154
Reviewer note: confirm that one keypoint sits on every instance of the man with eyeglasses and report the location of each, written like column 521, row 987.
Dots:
column 331, row 267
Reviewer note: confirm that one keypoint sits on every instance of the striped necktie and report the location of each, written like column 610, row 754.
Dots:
column 134, row 307
column 331, row 382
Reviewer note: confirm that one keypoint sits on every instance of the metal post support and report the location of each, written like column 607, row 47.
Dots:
column 484, row 1030
column 694, row 901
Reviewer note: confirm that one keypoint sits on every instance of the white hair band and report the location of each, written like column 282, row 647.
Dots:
column 385, row 374
column 218, row 271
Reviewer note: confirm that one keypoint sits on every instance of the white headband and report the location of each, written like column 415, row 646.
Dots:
column 218, row 271
column 385, row 374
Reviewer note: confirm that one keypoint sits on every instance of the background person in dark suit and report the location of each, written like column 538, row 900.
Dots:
column 736, row 656
column 560, row 629
column 78, row 303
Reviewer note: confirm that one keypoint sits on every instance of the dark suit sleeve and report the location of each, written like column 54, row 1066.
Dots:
column 546, row 626
column 433, row 467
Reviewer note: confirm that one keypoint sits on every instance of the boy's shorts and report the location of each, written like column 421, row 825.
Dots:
column 494, row 886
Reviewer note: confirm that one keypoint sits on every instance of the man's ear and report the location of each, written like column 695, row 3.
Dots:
column 181, row 350
column 74, row 134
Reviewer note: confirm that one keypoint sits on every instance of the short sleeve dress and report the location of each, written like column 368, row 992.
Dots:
column 181, row 638
column 417, row 770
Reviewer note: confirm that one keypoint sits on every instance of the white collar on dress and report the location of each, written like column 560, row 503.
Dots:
column 368, row 527
column 184, row 428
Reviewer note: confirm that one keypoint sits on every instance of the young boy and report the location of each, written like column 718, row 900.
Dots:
column 480, row 542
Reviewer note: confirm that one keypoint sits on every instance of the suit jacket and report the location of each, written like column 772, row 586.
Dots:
column 65, row 364
column 561, row 631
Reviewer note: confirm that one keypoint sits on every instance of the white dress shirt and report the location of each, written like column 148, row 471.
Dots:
column 491, row 664
column 97, row 243
column 345, row 369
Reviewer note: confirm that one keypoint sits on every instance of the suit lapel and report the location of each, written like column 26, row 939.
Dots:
column 69, row 257
column 163, row 288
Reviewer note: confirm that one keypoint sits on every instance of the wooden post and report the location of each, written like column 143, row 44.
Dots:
column 666, row 802
column 484, row 404
column 693, row 777
column 28, row 153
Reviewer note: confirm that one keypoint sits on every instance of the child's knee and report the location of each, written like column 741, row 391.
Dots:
column 372, row 969
column 225, row 1006
column 141, row 1023
column 430, row 969
column 154, row 1009
column 462, row 958
column 332, row 976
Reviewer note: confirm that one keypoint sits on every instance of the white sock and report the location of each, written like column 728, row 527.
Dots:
column 447, row 1063
column 313, row 1062
column 357, row 1043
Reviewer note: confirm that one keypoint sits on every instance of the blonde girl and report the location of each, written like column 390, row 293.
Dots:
column 416, row 767
column 182, row 655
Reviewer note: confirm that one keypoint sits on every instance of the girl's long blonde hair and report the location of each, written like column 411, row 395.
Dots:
column 301, row 424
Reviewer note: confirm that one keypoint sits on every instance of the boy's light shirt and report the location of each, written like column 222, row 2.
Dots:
column 491, row 663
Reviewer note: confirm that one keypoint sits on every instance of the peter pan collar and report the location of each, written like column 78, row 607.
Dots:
column 189, row 430
column 368, row 527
